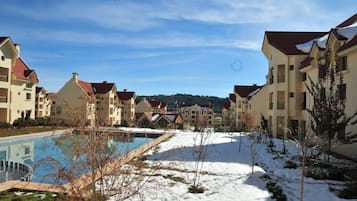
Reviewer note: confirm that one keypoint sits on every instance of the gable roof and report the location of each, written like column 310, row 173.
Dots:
column 139, row 115
column 39, row 89
column 349, row 44
column 21, row 70
column 86, row 87
column 245, row 90
column 348, row 22
column 125, row 95
column 306, row 62
column 102, row 88
column 286, row 41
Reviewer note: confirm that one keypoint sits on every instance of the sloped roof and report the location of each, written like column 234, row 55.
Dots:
column 348, row 22
column 102, row 88
column 156, row 103
column 3, row 38
column 125, row 95
column 38, row 89
column 349, row 44
column 21, row 70
column 245, row 90
column 86, row 86
column 233, row 97
column 306, row 62
column 227, row 104
column 148, row 115
column 286, row 41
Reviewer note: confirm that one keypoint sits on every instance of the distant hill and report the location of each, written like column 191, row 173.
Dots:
column 174, row 101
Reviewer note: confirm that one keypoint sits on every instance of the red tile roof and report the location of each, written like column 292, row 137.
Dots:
column 87, row 87
column 102, row 88
column 38, row 89
column 125, row 95
column 306, row 62
column 245, row 90
column 348, row 22
column 349, row 44
column 21, row 70
column 233, row 97
column 286, row 41
column 156, row 103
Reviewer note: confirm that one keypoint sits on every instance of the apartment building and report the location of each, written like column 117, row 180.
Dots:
column 127, row 99
column 43, row 103
column 83, row 103
column 243, row 107
column 295, row 58
column 226, row 114
column 17, row 84
column 196, row 115
column 284, row 79
column 108, row 106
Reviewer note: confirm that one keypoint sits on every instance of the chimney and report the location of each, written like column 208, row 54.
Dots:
column 125, row 90
column 75, row 76
column 17, row 46
column 105, row 82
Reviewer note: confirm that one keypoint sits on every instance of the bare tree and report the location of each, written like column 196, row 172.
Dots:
column 328, row 112
column 201, row 142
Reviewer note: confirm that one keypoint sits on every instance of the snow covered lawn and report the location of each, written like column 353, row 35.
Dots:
column 226, row 173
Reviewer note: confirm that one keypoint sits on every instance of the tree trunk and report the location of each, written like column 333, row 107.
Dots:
column 302, row 173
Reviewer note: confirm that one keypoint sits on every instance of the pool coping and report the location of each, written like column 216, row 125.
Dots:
column 82, row 182
column 31, row 135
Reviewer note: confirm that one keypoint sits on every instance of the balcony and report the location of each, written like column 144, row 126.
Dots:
column 281, row 105
column 4, row 72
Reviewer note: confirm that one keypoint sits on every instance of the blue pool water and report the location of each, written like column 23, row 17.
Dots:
column 51, row 154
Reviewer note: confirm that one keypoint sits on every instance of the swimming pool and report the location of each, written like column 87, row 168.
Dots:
column 43, row 157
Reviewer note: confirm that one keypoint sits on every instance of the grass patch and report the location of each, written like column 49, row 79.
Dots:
column 30, row 196
column 28, row 130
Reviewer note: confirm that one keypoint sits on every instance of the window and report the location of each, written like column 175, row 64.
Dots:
column 28, row 96
column 303, row 101
column 280, row 125
column 291, row 67
column 341, row 64
column 27, row 150
column 342, row 91
column 271, row 100
column 29, row 85
column 291, row 94
column 271, row 76
column 281, row 100
column 2, row 58
column 281, row 73
column 303, row 76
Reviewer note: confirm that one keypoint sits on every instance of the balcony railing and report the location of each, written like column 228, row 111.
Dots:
column 3, row 99
column 4, row 78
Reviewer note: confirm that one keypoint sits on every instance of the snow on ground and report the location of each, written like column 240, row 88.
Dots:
column 226, row 171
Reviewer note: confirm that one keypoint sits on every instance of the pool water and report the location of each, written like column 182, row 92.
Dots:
column 49, row 155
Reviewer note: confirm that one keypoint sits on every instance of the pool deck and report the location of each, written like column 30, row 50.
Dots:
column 77, row 186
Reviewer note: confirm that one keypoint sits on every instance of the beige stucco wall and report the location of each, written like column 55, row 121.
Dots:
column 74, row 105
column 189, row 114
column 259, row 106
column 128, row 110
column 19, row 101
column 143, row 106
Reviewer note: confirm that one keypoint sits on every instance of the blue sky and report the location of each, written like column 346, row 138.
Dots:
column 202, row 47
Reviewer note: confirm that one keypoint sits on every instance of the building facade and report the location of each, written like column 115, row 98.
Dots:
column 127, row 99
column 197, row 115
column 17, row 84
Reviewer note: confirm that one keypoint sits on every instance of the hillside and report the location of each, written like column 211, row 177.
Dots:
column 174, row 101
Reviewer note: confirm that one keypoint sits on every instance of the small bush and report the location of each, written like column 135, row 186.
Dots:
column 196, row 189
column 4, row 125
